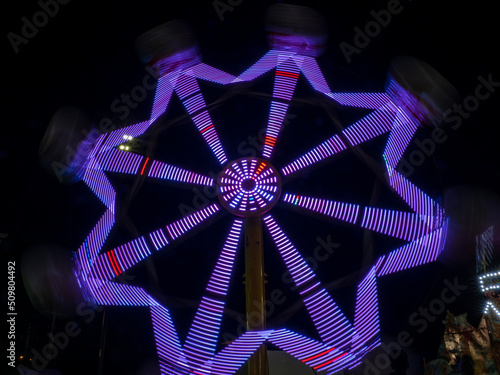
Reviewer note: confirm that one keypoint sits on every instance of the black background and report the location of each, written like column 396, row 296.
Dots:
column 85, row 56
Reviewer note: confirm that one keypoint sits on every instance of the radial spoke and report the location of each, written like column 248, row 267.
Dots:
column 287, row 75
column 333, row 327
column 403, row 225
column 106, row 293
column 189, row 92
column 203, row 335
column 112, row 263
column 169, row 172
column 347, row 212
column 118, row 161
column 369, row 127
column 309, row 67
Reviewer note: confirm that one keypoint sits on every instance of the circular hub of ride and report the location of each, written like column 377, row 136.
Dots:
column 249, row 187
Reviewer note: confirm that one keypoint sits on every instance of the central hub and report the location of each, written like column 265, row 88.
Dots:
column 248, row 184
column 249, row 187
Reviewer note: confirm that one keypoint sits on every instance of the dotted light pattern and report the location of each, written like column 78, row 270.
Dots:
column 249, row 187
column 492, row 307
column 343, row 341
column 489, row 281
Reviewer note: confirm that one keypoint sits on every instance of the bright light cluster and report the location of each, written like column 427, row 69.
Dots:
column 490, row 281
column 252, row 186
column 491, row 306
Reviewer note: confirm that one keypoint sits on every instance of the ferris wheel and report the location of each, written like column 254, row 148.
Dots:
column 248, row 188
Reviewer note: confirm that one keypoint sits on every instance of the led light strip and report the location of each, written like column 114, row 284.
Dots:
column 169, row 172
column 332, row 326
column 202, row 338
column 338, row 210
column 286, row 77
column 189, row 92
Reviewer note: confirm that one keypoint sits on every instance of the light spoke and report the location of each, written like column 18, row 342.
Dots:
column 333, row 327
column 403, row 225
column 312, row 72
column 106, row 293
column 189, row 92
column 172, row 173
column 369, row 127
column 201, row 341
column 112, row 263
column 347, row 212
column 287, row 74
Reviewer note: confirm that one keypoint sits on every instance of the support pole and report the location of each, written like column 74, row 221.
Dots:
column 254, row 290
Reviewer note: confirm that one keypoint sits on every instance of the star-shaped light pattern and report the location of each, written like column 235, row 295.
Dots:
column 251, row 186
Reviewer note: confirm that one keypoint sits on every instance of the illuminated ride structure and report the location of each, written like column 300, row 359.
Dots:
column 248, row 188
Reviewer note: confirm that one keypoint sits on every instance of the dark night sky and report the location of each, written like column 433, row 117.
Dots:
column 85, row 56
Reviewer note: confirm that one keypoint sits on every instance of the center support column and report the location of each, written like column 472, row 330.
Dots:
column 255, row 291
